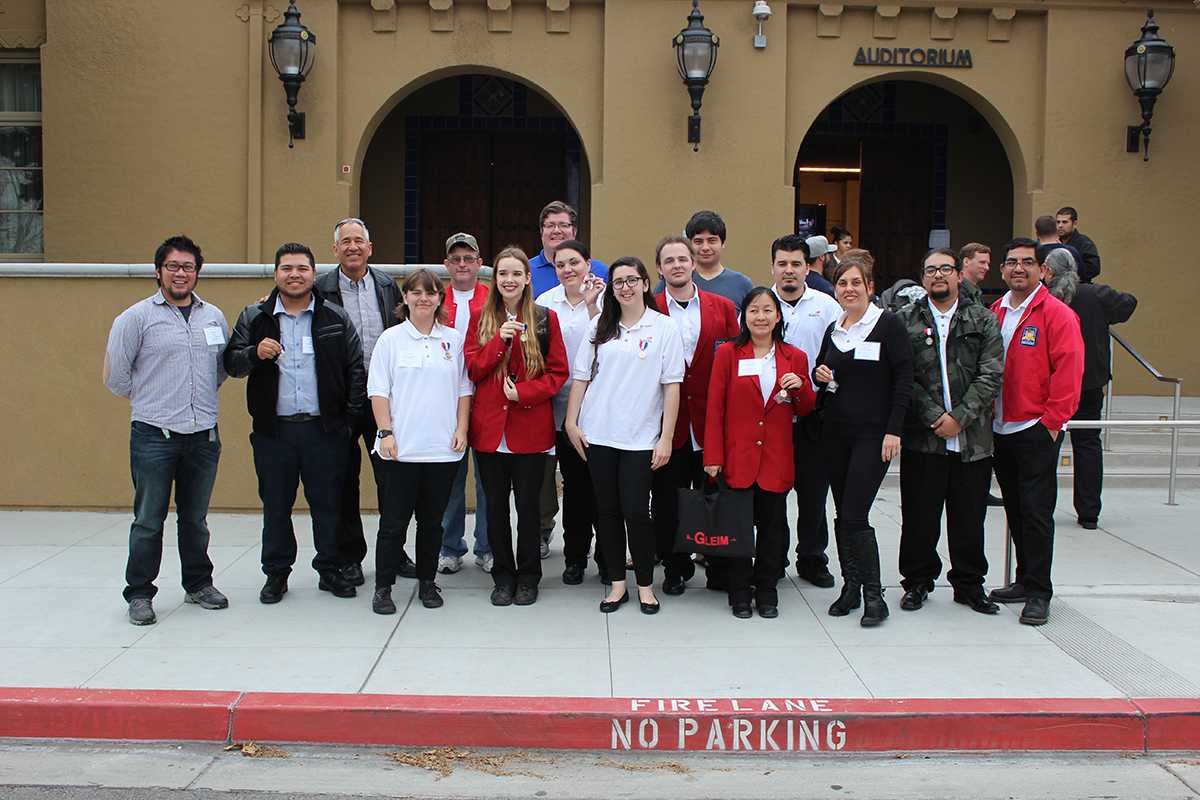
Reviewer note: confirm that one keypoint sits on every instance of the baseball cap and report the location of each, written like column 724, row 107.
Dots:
column 462, row 238
column 818, row 246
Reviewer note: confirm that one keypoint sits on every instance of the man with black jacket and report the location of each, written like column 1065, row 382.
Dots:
column 1098, row 306
column 370, row 298
column 1067, row 221
column 306, row 385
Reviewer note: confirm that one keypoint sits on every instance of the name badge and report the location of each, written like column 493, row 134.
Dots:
column 306, row 345
column 866, row 351
column 214, row 335
column 749, row 366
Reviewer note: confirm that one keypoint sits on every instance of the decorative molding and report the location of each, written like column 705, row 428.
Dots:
column 441, row 15
column 558, row 16
column 829, row 20
column 942, row 22
column 269, row 13
column 1000, row 24
column 499, row 16
column 384, row 16
column 22, row 38
column 243, row 13
column 887, row 22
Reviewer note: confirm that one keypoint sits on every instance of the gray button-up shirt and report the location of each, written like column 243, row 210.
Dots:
column 361, row 303
column 169, row 366
column 297, row 363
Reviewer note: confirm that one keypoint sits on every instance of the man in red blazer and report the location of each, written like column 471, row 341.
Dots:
column 1043, row 374
column 704, row 320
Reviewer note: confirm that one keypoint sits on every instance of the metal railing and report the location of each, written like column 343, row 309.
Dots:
column 1154, row 373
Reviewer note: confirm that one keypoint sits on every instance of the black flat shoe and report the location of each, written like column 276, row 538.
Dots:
column 609, row 606
column 649, row 608
column 768, row 611
column 977, row 600
column 742, row 610
column 674, row 586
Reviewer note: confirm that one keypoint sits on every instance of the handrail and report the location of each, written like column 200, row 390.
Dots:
column 1138, row 357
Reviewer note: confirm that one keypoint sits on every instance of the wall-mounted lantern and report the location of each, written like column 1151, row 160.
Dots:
column 762, row 13
column 696, row 53
column 293, row 49
column 1149, row 63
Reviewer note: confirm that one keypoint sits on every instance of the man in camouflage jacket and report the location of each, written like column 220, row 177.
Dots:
column 946, row 461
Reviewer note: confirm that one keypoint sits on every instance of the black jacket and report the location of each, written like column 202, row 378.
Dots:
column 341, row 378
column 1099, row 306
column 386, row 292
column 1089, row 267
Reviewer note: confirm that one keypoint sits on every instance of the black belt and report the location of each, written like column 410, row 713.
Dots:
column 300, row 418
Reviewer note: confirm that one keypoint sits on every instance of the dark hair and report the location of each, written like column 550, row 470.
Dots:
column 288, row 248
column 1044, row 225
column 751, row 296
column 576, row 245
column 705, row 221
column 1069, row 211
column 558, row 207
column 973, row 249
column 942, row 251
column 181, row 243
column 839, row 233
column 610, row 314
column 847, row 264
column 790, row 242
column 427, row 280
column 673, row 238
column 1020, row 241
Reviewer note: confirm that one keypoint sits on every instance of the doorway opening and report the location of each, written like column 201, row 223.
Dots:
column 477, row 153
column 904, row 166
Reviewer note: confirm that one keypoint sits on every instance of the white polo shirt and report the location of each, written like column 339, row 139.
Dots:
column 943, row 328
column 805, row 323
column 423, row 378
column 846, row 339
column 623, row 407
column 574, row 322
column 1012, row 318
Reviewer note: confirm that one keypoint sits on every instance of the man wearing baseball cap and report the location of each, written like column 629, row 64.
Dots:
column 820, row 264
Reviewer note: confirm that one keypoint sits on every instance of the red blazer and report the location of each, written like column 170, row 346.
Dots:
column 451, row 307
column 752, row 443
column 1043, row 367
column 528, row 424
column 718, row 320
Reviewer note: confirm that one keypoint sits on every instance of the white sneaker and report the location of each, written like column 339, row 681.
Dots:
column 484, row 562
column 448, row 565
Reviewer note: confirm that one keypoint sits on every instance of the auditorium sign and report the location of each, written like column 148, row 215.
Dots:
column 913, row 57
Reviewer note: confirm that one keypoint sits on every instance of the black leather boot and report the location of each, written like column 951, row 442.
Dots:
column 866, row 549
column 851, row 596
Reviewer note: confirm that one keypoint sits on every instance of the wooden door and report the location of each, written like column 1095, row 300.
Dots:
column 896, row 204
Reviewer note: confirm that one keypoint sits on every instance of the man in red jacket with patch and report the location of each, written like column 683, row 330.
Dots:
column 703, row 319
column 1043, row 372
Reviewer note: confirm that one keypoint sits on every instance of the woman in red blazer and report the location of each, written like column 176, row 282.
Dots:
column 758, row 386
column 516, row 357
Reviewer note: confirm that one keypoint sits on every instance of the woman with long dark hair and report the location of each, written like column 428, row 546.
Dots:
column 864, row 371
column 421, row 397
column 515, row 356
column 759, row 383
column 621, row 419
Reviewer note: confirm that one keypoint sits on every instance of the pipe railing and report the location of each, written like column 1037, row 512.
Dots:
column 1154, row 373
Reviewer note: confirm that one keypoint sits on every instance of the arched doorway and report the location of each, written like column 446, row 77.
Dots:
column 477, row 152
column 905, row 165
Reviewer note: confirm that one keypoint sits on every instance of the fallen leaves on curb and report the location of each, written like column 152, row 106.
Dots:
column 443, row 760
column 254, row 750
column 653, row 766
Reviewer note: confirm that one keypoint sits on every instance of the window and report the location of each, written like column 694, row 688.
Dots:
column 20, row 156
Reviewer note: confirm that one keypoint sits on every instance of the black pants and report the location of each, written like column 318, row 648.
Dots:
column 352, row 541
column 812, row 489
column 770, row 552
column 1088, row 456
column 685, row 470
column 928, row 483
column 622, row 483
column 299, row 451
column 519, row 475
column 856, row 470
column 578, row 504
column 1026, row 469
column 423, row 488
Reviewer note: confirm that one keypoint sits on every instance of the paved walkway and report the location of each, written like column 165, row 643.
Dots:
column 1124, row 623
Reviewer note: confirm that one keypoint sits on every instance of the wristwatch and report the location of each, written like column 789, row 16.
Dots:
column 383, row 433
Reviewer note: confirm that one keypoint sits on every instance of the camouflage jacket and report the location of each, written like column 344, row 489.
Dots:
column 974, row 366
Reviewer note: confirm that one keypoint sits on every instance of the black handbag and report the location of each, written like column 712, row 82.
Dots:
column 716, row 521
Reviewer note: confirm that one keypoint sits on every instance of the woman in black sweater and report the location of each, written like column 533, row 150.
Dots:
column 864, row 372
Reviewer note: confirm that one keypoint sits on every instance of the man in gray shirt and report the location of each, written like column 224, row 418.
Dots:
column 706, row 230
column 165, row 354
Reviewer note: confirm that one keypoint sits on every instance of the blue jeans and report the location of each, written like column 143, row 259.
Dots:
column 454, row 522
column 189, row 462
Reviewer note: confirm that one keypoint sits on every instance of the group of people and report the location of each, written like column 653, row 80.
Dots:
column 631, row 392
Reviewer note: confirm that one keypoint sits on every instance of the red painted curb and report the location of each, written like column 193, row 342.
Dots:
column 115, row 714
column 1171, row 723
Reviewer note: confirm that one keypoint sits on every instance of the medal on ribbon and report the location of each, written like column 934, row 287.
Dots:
column 446, row 351
column 643, row 346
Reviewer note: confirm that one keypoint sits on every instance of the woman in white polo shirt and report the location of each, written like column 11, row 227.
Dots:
column 576, row 301
column 621, row 417
column 421, row 397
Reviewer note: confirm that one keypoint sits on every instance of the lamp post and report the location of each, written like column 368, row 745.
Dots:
column 696, row 54
column 1149, row 63
column 293, row 49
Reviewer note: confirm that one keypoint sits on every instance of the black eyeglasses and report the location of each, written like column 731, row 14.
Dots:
column 621, row 283
column 937, row 269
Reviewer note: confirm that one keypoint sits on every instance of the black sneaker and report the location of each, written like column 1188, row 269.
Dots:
column 141, row 612
column 382, row 602
column 502, row 596
column 332, row 581
column 273, row 590
column 430, row 594
column 407, row 568
column 526, row 595
column 354, row 574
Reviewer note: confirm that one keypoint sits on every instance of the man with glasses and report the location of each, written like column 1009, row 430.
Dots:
column 558, row 223
column 164, row 354
column 1043, row 372
column 370, row 298
column 958, row 364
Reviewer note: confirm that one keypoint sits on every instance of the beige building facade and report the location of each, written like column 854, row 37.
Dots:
column 428, row 116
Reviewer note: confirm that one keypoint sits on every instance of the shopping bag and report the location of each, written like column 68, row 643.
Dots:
column 716, row 521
